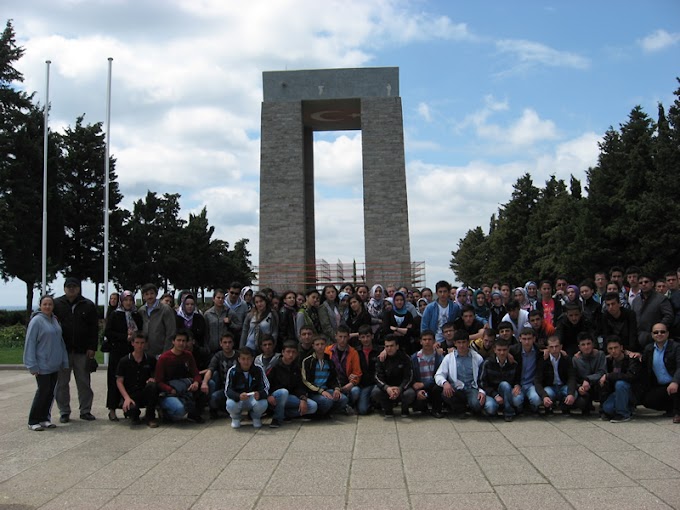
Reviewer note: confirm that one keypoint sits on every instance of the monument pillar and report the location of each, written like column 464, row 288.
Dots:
column 388, row 247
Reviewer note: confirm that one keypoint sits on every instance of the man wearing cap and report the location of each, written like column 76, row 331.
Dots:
column 159, row 321
column 80, row 330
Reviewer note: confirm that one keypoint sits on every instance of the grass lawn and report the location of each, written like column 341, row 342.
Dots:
column 14, row 356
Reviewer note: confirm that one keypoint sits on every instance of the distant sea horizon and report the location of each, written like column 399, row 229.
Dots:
column 13, row 308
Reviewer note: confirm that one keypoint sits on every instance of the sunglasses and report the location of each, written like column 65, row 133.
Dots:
column 659, row 332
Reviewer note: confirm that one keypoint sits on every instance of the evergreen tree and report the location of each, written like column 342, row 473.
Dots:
column 21, row 178
column 510, row 250
column 82, row 191
column 470, row 261
column 21, row 205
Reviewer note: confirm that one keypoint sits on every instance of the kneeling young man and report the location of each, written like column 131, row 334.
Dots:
column 136, row 383
column 177, row 375
column 616, row 385
column 215, row 377
column 425, row 363
column 500, row 377
column 458, row 376
column 661, row 373
column 393, row 378
column 555, row 379
column 318, row 374
column 347, row 367
column 287, row 392
column 246, row 389
column 590, row 366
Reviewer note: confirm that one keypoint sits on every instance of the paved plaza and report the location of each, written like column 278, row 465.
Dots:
column 349, row 462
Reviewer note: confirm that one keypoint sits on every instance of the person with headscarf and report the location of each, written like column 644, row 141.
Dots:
column 573, row 296
column 375, row 306
column 482, row 310
column 399, row 322
column 498, row 310
column 520, row 295
column 534, row 298
column 114, row 301
column 189, row 319
column 462, row 296
column 343, row 306
column 121, row 327
column 247, row 297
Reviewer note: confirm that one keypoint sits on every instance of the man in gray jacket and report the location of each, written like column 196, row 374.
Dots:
column 159, row 321
column 590, row 365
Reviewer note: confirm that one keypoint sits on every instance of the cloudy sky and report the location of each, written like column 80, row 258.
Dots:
column 490, row 90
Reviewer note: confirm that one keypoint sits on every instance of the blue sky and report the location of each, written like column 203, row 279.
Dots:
column 489, row 90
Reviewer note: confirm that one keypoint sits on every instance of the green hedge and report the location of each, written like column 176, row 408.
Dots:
column 12, row 336
column 12, row 317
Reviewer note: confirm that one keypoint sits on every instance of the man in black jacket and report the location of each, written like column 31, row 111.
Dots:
column 616, row 385
column 556, row 378
column 500, row 376
column 393, row 379
column 287, row 392
column 650, row 307
column 80, row 330
column 661, row 373
column 620, row 322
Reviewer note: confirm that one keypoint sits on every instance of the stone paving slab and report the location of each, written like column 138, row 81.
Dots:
column 345, row 463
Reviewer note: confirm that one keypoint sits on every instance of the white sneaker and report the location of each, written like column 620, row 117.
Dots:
column 235, row 424
column 48, row 425
column 257, row 423
column 36, row 427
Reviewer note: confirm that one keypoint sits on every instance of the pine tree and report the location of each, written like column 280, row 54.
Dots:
column 82, row 191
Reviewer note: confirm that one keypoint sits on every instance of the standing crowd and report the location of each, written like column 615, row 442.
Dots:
column 355, row 350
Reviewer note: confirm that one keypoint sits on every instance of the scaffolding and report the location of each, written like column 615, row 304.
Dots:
column 281, row 277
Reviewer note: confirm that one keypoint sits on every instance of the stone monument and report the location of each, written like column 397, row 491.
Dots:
column 297, row 103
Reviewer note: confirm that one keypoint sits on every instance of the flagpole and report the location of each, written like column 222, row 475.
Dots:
column 44, row 216
column 106, row 189
column 106, row 198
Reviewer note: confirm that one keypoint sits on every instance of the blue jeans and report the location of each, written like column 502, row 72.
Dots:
column 557, row 393
column 288, row 406
column 505, row 391
column 528, row 393
column 173, row 408
column 619, row 401
column 256, row 407
column 363, row 402
column 328, row 405
column 353, row 396
column 218, row 400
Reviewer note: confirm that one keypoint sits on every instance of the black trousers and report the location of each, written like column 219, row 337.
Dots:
column 657, row 397
column 434, row 398
column 144, row 398
column 44, row 395
column 112, row 394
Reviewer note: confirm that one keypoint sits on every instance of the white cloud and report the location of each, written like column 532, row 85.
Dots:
column 571, row 157
column 659, row 40
column 523, row 132
column 338, row 162
column 424, row 112
column 529, row 54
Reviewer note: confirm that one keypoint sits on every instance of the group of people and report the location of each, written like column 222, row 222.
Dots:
column 359, row 349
